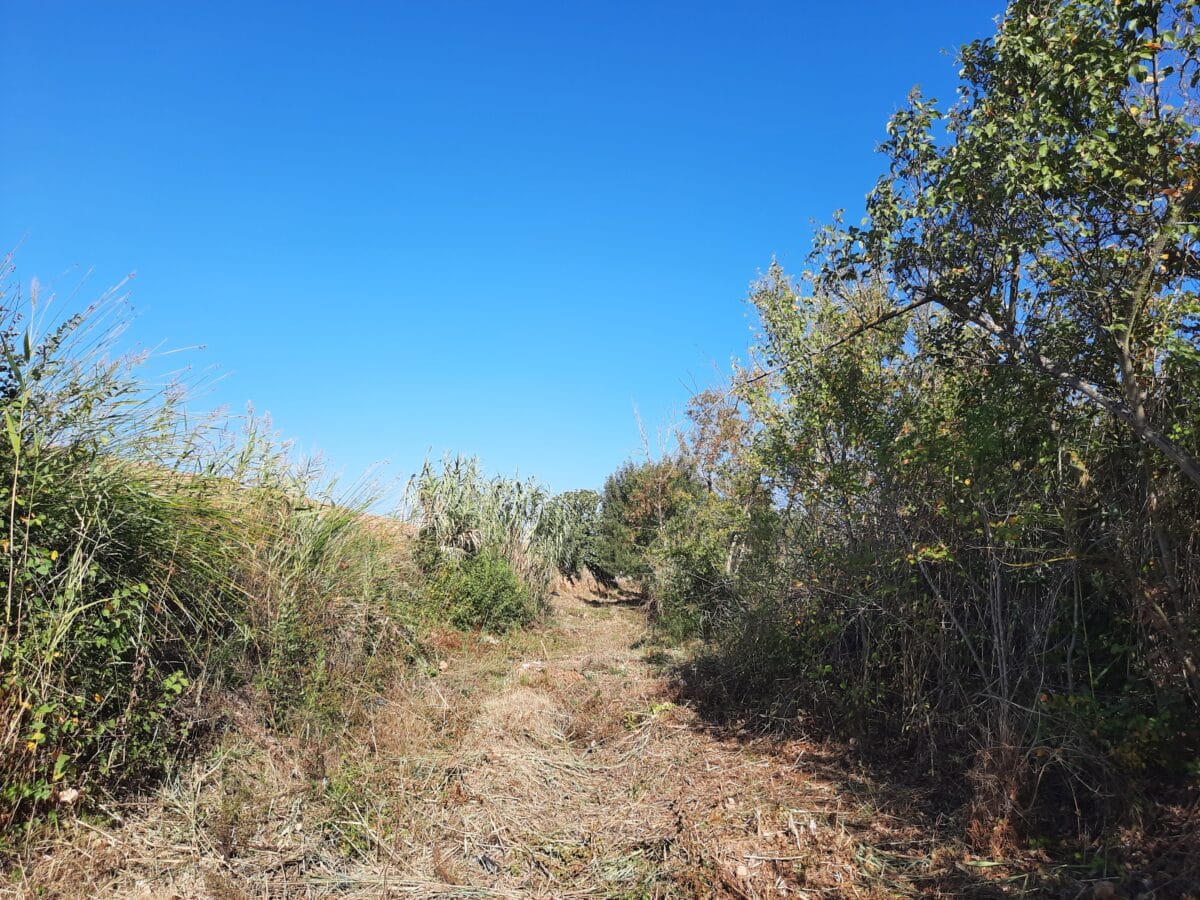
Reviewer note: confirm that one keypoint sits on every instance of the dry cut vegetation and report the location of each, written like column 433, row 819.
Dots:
column 560, row 762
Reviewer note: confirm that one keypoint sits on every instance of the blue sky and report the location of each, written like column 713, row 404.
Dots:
column 405, row 228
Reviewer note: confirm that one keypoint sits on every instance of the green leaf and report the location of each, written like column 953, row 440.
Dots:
column 14, row 437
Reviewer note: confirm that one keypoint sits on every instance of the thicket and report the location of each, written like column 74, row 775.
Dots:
column 490, row 548
column 952, row 507
column 637, row 503
column 164, row 577
column 574, row 517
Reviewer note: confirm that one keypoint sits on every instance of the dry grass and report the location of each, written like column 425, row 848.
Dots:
column 554, row 762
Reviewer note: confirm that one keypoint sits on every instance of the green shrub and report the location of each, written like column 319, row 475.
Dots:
column 638, row 502
column 567, row 529
column 459, row 512
column 142, row 555
column 966, row 567
column 693, row 575
column 115, row 566
column 482, row 591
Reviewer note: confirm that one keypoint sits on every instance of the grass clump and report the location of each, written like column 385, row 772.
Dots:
column 491, row 547
column 115, row 564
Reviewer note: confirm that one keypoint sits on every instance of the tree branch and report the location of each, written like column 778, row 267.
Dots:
column 1186, row 463
column 861, row 329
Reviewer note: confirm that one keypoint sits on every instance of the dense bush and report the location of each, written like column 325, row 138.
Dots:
column 476, row 533
column 963, row 569
column 144, row 557
column 328, row 608
column 115, row 566
column 459, row 513
column 968, row 568
column 689, row 528
column 637, row 503
column 482, row 591
column 969, row 442
column 568, row 527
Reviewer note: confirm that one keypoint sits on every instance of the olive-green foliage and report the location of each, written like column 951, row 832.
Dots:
column 326, row 606
column 459, row 513
column 1035, row 463
column 714, row 555
column 475, row 534
column 114, row 571
column 568, row 528
column 695, row 549
column 962, row 567
column 1050, row 208
column 977, row 426
column 694, row 580
column 482, row 591
column 639, row 500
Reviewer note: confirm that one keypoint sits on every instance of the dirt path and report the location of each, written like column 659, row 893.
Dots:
column 578, row 774
column 556, row 762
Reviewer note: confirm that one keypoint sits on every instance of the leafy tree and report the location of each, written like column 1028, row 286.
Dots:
column 638, row 501
column 1052, row 212
column 961, row 478
column 1053, row 206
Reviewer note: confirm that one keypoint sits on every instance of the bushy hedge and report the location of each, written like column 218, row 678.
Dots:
column 482, row 591
column 638, row 501
column 144, row 557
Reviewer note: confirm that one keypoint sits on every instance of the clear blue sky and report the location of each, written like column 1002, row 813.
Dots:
column 487, row 227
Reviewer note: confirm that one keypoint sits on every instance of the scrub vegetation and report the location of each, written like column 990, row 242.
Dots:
column 950, row 510
column 157, row 568
column 911, row 607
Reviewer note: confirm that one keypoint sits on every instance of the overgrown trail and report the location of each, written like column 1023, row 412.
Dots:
column 571, row 772
column 557, row 762
column 569, row 768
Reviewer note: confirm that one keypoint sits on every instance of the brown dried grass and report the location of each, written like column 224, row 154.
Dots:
column 552, row 763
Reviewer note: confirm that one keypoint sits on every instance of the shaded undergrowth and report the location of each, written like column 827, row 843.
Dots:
column 926, row 795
